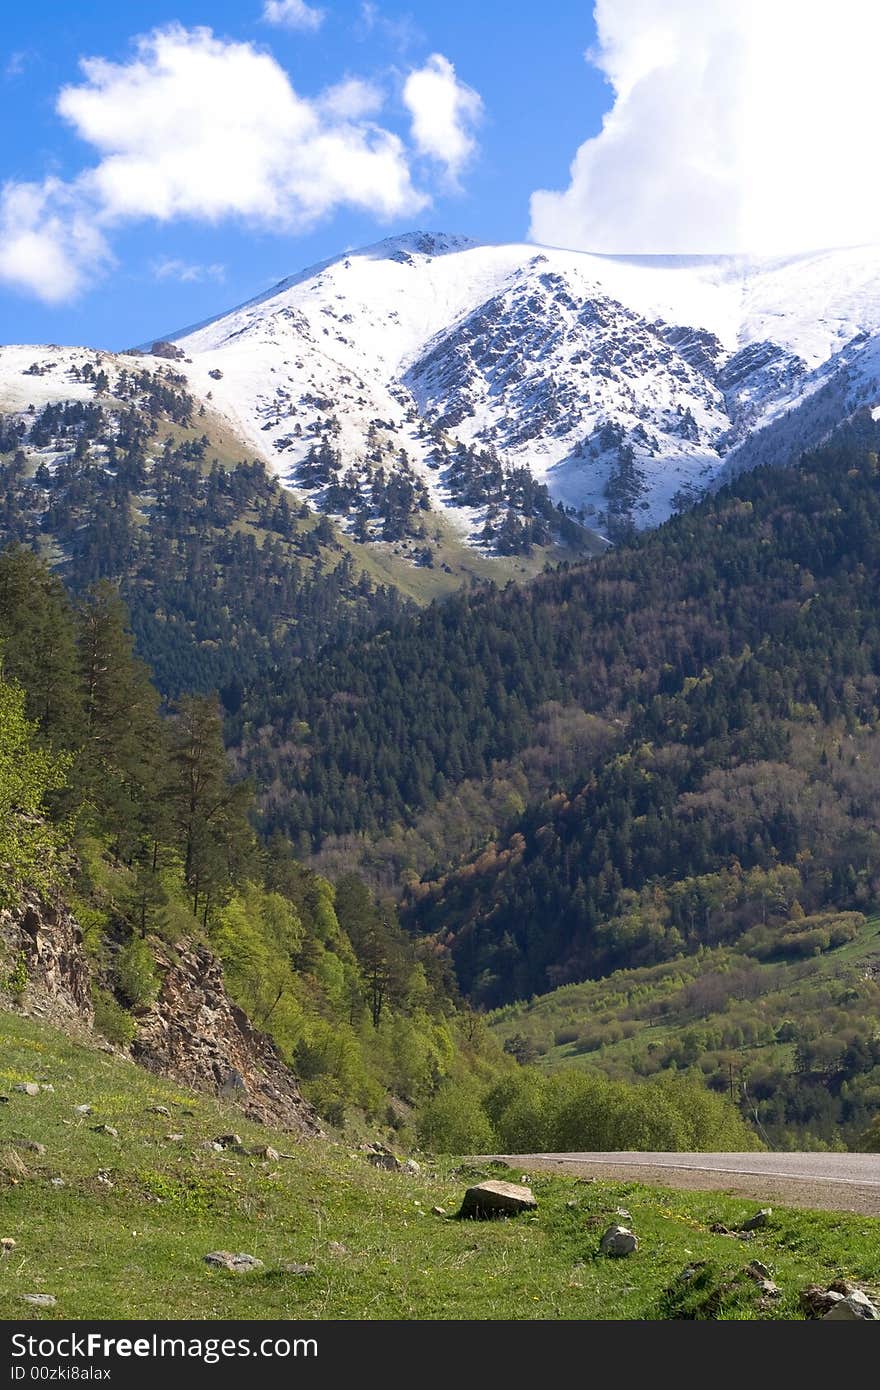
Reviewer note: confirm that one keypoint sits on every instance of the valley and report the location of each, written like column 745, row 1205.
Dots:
column 501, row 821
column 794, row 1035
column 439, row 682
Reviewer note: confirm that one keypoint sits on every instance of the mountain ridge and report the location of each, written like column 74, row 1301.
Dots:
column 519, row 395
column 623, row 384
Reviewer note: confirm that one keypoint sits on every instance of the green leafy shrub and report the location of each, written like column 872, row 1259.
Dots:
column 29, row 848
column 569, row 1034
column 802, row 937
column 134, row 971
column 14, row 981
column 869, row 1142
column 111, row 1020
column 454, row 1122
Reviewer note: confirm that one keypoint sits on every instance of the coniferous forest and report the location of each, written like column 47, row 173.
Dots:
column 388, row 820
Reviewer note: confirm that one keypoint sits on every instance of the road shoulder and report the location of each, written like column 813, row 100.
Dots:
column 813, row 1194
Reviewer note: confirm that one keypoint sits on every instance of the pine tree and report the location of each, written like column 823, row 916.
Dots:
column 120, row 762
column 39, row 651
column 210, row 810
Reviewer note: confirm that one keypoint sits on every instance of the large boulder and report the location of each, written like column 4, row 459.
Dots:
column 758, row 1221
column 489, row 1199
column 236, row 1263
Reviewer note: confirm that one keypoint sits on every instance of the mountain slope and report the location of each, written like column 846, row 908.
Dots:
column 376, row 731
column 114, row 471
column 743, row 654
column 516, row 397
column 618, row 382
column 786, row 1019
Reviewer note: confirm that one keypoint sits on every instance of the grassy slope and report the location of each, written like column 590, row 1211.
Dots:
column 455, row 563
column 389, row 563
column 136, row 1249
column 612, row 998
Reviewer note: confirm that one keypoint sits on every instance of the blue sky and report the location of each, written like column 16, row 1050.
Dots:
column 161, row 162
column 540, row 99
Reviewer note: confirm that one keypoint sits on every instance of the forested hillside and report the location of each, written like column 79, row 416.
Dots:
column 226, row 577
column 743, row 788
column 132, row 815
column 767, row 587
column 732, row 658
column 784, row 1019
column 667, row 750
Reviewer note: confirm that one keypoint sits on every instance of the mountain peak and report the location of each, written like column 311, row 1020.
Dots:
column 421, row 244
column 619, row 385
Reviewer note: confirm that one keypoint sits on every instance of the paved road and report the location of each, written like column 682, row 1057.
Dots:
column 833, row 1182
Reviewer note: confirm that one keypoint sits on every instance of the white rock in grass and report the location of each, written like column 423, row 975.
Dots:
column 239, row 1264
column 618, row 1240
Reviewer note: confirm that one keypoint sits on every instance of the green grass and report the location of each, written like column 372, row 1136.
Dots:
column 388, row 563
column 646, row 1003
column 135, row 1249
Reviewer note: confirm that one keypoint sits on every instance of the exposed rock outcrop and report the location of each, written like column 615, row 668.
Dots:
column 195, row 1034
column 839, row 1302
column 49, row 941
column 192, row 1031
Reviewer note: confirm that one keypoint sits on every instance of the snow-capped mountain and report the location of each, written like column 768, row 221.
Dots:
column 618, row 382
column 485, row 380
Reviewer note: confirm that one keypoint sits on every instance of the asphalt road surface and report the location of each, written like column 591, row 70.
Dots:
column 831, row 1182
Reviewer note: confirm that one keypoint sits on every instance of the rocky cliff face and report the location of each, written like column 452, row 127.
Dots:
column 46, row 969
column 195, row 1034
column 192, row 1032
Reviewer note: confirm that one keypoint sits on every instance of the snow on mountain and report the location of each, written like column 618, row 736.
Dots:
column 469, row 378
column 619, row 382
column 38, row 375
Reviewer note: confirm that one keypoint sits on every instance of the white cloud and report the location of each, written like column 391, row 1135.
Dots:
column 444, row 112
column 173, row 269
column 735, row 127
column 351, row 100
column 198, row 127
column 293, row 14
column 50, row 245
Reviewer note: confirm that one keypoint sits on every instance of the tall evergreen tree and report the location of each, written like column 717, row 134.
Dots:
column 39, row 649
column 210, row 810
column 120, row 761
